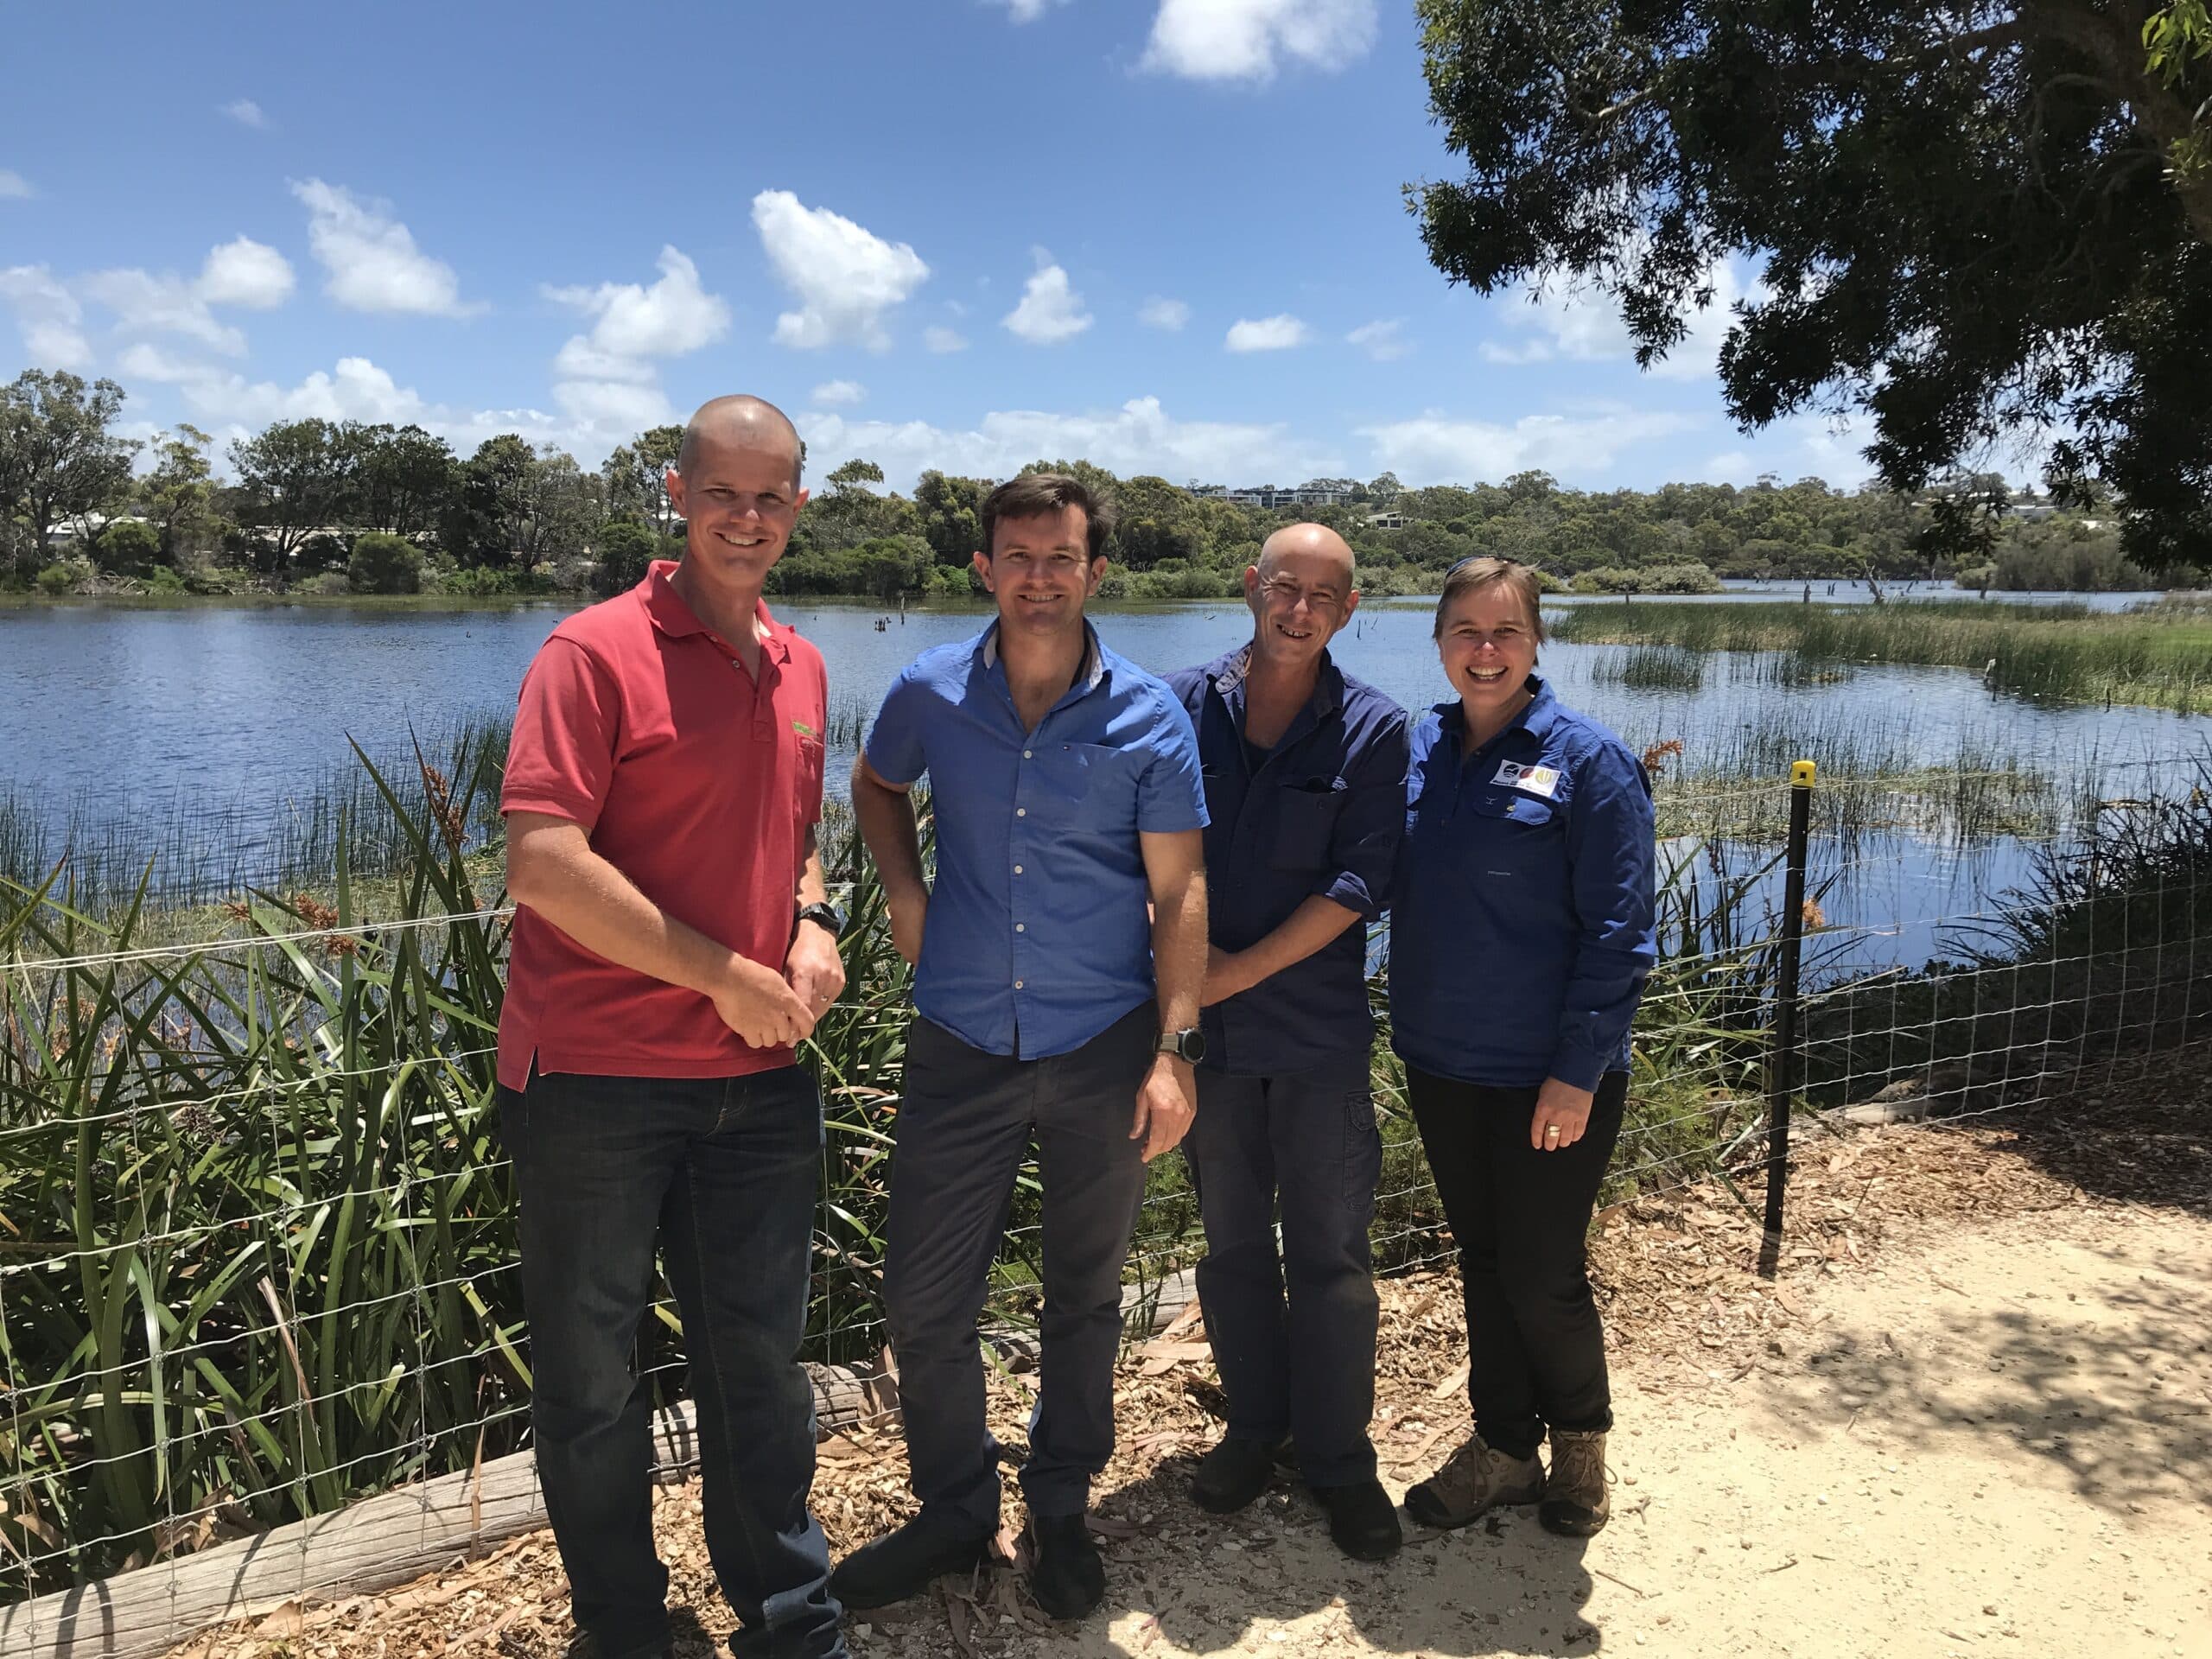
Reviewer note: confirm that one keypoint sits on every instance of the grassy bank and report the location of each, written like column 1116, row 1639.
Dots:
column 257, row 1242
column 2160, row 657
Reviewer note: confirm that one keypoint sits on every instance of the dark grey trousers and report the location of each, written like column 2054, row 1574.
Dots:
column 964, row 1128
column 1294, row 1327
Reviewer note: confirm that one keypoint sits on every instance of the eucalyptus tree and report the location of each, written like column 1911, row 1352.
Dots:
column 1968, row 219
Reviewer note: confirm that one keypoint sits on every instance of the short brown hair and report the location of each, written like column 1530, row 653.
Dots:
column 1469, row 574
column 1035, row 495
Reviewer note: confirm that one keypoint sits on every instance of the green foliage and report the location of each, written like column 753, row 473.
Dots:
column 63, row 576
column 126, row 547
column 1652, row 579
column 1968, row 218
column 882, row 568
column 59, row 459
column 951, row 523
column 626, row 549
column 384, row 563
column 635, row 477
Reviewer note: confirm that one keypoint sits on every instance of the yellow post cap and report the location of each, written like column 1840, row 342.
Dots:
column 1801, row 774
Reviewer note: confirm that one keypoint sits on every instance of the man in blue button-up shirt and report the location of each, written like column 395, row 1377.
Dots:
column 1065, row 784
column 1304, row 776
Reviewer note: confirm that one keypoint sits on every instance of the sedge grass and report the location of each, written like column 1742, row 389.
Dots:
column 2157, row 658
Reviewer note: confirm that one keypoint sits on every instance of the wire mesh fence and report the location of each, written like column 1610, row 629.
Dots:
column 257, row 1252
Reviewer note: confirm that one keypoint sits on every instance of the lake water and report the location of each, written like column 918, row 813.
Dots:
column 215, row 712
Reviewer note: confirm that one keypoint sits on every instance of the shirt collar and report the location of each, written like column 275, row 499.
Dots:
column 1228, row 674
column 665, row 606
column 1537, row 719
column 1094, row 654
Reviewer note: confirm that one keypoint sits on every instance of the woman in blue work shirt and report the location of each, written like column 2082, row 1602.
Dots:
column 1521, row 938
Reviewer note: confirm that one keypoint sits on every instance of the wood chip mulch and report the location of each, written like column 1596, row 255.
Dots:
column 1676, row 1276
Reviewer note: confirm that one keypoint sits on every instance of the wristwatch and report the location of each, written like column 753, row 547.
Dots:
column 827, row 915
column 1188, row 1044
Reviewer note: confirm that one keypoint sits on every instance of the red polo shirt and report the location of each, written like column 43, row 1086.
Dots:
column 698, row 784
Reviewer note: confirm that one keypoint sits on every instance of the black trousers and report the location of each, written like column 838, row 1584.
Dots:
column 1535, row 1351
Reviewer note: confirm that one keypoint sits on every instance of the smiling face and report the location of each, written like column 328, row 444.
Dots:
column 739, row 498
column 1486, row 640
column 1040, row 571
column 1300, row 593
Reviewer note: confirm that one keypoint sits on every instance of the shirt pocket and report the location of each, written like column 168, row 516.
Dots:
column 1306, row 822
column 1073, row 783
column 1514, row 835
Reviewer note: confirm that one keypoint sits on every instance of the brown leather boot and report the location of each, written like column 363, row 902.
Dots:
column 1576, row 1500
column 1475, row 1478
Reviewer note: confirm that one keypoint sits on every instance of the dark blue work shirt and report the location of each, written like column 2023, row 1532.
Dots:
column 1522, row 931
column 1039, row 935
column 1321, row 813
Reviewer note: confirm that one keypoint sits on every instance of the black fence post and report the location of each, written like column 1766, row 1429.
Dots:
column 1782, row 1051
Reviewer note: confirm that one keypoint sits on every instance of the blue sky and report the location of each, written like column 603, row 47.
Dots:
column 1164, row 234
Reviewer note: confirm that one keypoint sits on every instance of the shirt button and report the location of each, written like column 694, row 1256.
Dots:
column 1021, row 927
column 1017, row 984
column 1017, row 870
column 1021, row 812
column 1027, row 756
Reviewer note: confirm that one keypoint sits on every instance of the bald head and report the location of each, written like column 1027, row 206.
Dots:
column 740, row 423
column 1314, row 545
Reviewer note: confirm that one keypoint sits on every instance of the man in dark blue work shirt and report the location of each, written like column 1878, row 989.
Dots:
column 1305, row 777
column 1065, row 784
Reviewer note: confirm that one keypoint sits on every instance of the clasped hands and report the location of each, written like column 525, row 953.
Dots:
column 770, row 1010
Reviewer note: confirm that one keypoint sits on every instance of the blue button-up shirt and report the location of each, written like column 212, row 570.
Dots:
column 1039, row 935
column 1321, row 815
column 1521, row 930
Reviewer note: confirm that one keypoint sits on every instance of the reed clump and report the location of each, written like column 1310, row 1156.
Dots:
column 2159, row 658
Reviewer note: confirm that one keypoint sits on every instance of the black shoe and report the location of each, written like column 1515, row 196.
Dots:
column 1362, row 1520
column 1232, row 1475
column 1069, row 1579
column 902, row 1563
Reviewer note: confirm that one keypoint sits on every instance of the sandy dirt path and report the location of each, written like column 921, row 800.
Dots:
column 1997, row 1440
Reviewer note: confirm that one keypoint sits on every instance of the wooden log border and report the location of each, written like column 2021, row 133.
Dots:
column 398, row 1536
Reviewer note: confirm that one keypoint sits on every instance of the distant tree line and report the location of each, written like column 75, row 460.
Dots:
column 340, row 506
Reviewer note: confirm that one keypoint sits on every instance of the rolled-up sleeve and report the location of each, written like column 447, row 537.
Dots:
column 894, row 748
column 1364, row 846
column 1611, row 858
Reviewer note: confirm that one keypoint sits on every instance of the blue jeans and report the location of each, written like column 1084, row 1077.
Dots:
column 726, row 1172
column 1292, row 1329
column 963, row 1129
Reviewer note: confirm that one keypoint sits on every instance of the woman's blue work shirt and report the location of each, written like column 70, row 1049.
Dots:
column 1521, row 926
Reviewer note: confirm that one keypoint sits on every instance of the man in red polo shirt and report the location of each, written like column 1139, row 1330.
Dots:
column 672, row 941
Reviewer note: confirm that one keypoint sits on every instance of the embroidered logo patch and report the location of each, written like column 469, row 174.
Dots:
column 1537, row 780
column 803, row 728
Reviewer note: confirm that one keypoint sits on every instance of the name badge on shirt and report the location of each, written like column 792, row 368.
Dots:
column 1537, row 780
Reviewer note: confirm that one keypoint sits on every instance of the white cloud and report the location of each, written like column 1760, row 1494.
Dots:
column 845, row 277
column 674, row 316
column 1276, row 333
column 1248, row 40
column 1383, row 340
column 14, row 185
column 1138, row 437
column 246, row 113
column 372, row 258
column 245, row 272
column 1050, row 311
column 606, row 378
column 144, row 303
column 592, row 420
column 838, row 394
column 1586, row 327
column 1431, row 449
column 48, row 316
column 1027, row 11
column 943, row 340
column 1170, row 314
